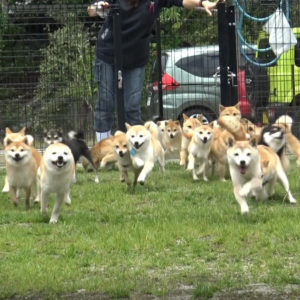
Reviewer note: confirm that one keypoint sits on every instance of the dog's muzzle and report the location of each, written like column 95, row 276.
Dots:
column 137, row 145
column 17, row 157
column 59, row 162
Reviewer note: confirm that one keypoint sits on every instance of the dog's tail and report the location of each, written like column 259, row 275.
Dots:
column 152, row 127
column 75, row 135
column 286, row 120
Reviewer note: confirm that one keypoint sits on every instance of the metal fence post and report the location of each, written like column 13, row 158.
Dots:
column 118, row 67
column 225, row 52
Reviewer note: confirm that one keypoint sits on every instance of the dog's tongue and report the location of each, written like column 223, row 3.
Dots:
column 243, row 169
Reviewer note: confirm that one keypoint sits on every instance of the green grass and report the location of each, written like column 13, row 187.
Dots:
column 170, row 232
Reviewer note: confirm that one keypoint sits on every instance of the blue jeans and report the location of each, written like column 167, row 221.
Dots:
column 105, row 107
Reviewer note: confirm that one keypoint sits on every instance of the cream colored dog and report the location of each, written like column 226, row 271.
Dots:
column 56, row 173
column 144, row 149
column 255, row 169
column 199, row 149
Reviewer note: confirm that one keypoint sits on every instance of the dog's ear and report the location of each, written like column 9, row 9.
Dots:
column 231, row 142
column 127, row 126
column 185, row 117
column 166, row 123
column 25, row 141
column 237, row 106
column 265, row 163
column 221, row 107
column 158, row 123
column 211, row 124
column 7, row 131
column 22, row 131
column 253, row 142
column 177, row 123
column 118, row 132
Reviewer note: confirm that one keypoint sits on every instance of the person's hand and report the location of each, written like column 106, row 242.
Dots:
column 94, row 9
column 209, row 6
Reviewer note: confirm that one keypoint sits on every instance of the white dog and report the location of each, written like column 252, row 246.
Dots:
column 56, row 173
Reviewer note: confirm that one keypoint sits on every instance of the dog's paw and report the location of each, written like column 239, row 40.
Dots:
column 102, row 164
column 292, row 200
column 244, row 210
column 5, row 190
column 53, row 220
column 96, row 179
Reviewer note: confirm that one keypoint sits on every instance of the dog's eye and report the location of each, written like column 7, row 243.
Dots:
column 53, row 153
column 169, row 130
column 12, row 150
column 162, row 130
column 21, row 150
column 117, row 146
column 201, row 132
column 175, row 130
column 236, row 154
column 234, row 114
column 190, row 126
column 141, row 136
column 249, row 154
column 226, row 114
column 125, row 146
column 132, row 136
column 55, row 137
column 65, row 153
column 208, row 133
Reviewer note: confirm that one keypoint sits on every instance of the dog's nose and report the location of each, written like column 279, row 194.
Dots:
column 171, row 136
column 121, row 153
column 17, row 155
column 242, row 163
column 205, row 139
column 60, row 158
column 136, row 144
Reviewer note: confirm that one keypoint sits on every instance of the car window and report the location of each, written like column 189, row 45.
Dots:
column 203, row 65
column 297, row 53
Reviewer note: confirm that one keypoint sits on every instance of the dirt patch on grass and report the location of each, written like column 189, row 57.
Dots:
column 250, row 292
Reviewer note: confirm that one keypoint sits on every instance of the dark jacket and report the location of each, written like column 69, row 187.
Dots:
column 136, row 26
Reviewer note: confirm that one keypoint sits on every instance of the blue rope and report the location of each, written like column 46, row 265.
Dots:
column 241, row 38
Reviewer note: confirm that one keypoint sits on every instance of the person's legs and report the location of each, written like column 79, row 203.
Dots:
column 133, row 86
column 104, row 109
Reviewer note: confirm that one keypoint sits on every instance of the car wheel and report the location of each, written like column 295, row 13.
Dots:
column 257, row 85
column 207, row 115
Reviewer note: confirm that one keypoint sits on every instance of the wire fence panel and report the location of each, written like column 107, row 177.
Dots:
column 46, row 68
column 270, row 83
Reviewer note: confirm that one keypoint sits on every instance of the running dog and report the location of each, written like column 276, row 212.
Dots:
column 171, row 139
column 22, row 162
column 55, row 175
column 75, row 141
column 188, row 126
column 218, row 150
column 255, row 169
column 144, row 149
column 15, row 137
column 199, row 149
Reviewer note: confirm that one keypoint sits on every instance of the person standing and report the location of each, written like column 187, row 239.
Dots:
column 137, row 19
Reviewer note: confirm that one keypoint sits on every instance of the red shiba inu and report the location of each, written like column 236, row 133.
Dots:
column 22, row 162
column 188, row 126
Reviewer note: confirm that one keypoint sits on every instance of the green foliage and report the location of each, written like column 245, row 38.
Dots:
column 65, row 71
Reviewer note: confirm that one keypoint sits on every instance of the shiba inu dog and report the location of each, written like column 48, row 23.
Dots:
column 55, row 175
column 274, row 136
column 199, row 149
column 15, row 137
column 144, row 150
column 171, row 139
column 218, row 150
column 230, row 119
column 188, row 126
column 22, row 162
column 123, row 158
column 255, row 169
column 75, row 141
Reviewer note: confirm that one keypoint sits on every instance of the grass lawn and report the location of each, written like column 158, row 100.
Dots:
column 170, row 233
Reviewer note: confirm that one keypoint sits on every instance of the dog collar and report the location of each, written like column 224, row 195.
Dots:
column 132, row 152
